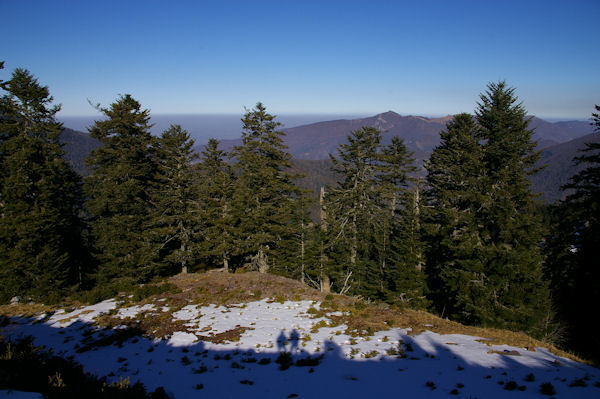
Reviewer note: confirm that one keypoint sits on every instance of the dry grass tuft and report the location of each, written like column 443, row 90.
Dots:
column 225, row 336
column 220, row 288
column 367, row 319
column 25, row 309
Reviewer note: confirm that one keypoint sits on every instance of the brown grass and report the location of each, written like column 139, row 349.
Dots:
column 232, row 335
column 25, row 309
column 381, row 317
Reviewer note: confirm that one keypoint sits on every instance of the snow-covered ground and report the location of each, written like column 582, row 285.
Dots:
column 231, row 352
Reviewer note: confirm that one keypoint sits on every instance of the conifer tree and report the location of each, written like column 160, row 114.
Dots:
column 216, row 185
column 406, row 278
column 485, row 234
column 297, row 255
column 264, row 196
column 42, row 252
column 573, row 249
column 397, row 236
column 353, row 209
column 511, row 230
column 173, row 223
column 120, row 191
column 455, row 265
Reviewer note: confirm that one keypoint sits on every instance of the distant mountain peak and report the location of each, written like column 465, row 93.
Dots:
column 387, row 116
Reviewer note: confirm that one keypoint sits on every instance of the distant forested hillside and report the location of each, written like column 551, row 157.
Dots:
column 559, row 167
column 78, row 146
column 314, row 140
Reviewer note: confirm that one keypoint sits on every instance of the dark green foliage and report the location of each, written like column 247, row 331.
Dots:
column 28, row 368
column 574, row 249
column 173, row 223
column 455, row 264
column 216, row 187
column 485, row 261
column 402, row 261
column 511, row 230
column 120, row 190
column 298, row 254
column 264, row 196
column 42, row 252
column 372, row 222
column 353, row 209
column 101, row 292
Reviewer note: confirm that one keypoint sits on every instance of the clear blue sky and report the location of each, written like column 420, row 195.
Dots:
column 412, row 57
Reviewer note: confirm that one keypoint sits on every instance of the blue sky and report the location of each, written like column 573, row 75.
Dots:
column 363, row 57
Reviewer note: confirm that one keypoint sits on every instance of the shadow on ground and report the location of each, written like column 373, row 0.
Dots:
column 419, row 367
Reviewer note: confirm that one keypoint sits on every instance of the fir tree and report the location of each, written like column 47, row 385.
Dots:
column 455, row 265
column 511, row 231
column 573, row 249
column 297, row 255
column 173, row 223
column 120, row 190
column 353, row 209
column 397, row 235
column 485, row 261
column 42, row 252
column 405, row 277
column 216, row 185
column 264, row 196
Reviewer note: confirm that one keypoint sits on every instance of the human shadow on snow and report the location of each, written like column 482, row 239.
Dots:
column 418, row 367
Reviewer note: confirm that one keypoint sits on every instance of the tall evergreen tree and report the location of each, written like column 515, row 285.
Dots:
column 573, row 249
column 455, row 263
column 511, row 230
column 398, row 236
column 120, row 191
column 296, row 255
column 353, row 210
column 216, row 185
column 486, row 236
column 42, row 253
column 406, row 278
column 175, row 199
column 264, row 197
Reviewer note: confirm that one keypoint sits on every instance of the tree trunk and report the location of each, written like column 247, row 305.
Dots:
column 417, row 206
column 302, row 255
column 261, row 260
column 323, row 211
column 324, row 279
column 225, row 263
column 183, row 249
column 325, row 285
column 354, row 242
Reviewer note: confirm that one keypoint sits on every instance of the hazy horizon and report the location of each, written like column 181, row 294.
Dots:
column 203, row 127
column 308, row 57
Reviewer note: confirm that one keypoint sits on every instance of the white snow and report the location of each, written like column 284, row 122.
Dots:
column 85, row 314
column 132, row 311
column 188, row 364
column 180, row 338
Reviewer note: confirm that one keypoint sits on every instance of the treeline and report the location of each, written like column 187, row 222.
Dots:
column 470, row 242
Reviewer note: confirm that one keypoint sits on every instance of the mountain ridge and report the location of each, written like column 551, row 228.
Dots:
column 421, row 134
column 311, row 144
